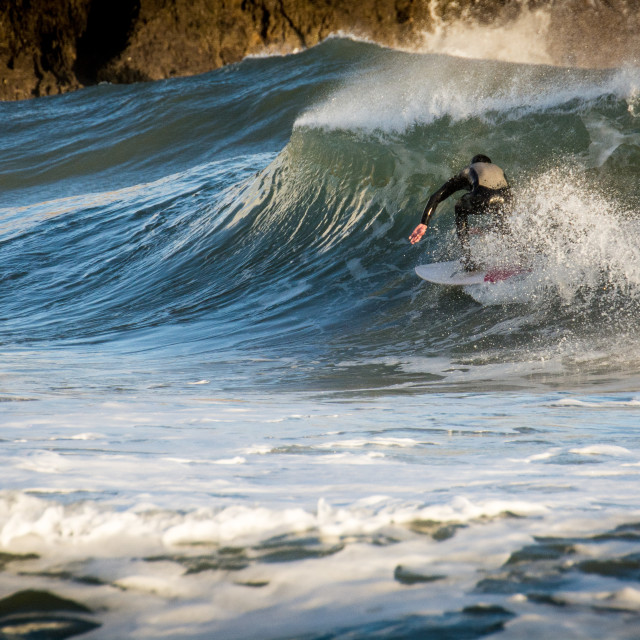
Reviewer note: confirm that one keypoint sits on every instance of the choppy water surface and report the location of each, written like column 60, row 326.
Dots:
column 230, row 406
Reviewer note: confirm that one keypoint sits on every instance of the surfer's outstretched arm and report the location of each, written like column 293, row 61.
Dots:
column 461, row 181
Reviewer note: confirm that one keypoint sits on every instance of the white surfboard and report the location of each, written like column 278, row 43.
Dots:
column 453, row 274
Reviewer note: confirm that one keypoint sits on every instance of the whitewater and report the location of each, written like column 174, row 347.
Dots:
column 230, row 408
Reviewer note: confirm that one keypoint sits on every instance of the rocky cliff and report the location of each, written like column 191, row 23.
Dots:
column 54, row 46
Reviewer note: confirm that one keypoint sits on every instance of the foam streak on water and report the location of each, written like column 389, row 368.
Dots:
column 164, row 514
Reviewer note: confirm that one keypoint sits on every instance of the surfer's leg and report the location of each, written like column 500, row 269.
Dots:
column 498, row 206
column 462, row 231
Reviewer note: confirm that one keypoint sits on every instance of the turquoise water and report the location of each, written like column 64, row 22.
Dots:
column 229, row 406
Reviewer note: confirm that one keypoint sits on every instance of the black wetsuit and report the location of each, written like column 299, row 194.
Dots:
column 489, row 194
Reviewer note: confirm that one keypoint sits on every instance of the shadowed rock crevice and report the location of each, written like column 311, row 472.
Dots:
column 109, row 27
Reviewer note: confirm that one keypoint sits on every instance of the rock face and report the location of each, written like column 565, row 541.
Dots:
column 50, row 46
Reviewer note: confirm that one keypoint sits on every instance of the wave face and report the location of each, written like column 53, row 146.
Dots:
column 252, row 223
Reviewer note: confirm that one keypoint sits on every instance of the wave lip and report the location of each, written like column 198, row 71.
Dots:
column 407, row 91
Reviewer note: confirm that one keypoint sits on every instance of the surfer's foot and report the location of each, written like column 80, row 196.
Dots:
column 469, row 265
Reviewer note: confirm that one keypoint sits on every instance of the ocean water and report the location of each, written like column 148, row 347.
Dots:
column 230, row 409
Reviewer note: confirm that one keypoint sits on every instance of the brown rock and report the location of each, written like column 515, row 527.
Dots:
column 53, row 46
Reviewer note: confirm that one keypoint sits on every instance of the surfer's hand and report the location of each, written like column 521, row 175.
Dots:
column 417, row 234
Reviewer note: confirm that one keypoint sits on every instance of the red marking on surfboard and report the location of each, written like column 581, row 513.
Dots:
column 500, row 274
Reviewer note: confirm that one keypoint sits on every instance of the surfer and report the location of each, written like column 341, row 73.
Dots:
column 489, row 193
